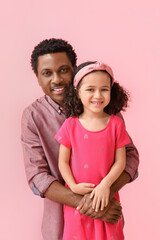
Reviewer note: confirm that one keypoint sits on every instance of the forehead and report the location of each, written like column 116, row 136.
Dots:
column 97, row 77
column 53, row 61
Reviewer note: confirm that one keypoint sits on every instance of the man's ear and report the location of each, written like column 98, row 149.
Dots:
column 38, row 80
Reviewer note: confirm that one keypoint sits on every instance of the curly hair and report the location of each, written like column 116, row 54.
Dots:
column 52, row 45
column 73, row 106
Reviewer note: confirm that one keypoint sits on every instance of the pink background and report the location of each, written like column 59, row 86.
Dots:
column 126, row 35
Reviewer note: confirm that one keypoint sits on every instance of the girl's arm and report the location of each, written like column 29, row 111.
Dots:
column 101, row 192
column 64, row 167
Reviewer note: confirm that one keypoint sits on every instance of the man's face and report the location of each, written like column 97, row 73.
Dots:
column 54, row 75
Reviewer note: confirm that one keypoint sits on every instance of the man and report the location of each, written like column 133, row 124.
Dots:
column 53, row 62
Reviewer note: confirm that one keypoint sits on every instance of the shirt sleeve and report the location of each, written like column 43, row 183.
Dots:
column 122, row 137
column 132, row 158
column 63, row 135
column 36, row 165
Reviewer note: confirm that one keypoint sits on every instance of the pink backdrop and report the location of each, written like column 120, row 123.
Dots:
column 125, row 34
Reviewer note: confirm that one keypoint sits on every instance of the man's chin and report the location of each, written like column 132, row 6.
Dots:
column 58, row 99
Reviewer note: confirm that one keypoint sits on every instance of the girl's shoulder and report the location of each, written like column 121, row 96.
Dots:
column 70, row 121
column 117, row 120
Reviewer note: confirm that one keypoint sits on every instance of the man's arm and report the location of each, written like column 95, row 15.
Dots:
column 123, row 179
column 61, row 194
column 37, row 169
column 132, row 158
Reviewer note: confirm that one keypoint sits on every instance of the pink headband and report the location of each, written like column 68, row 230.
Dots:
column 90, row 68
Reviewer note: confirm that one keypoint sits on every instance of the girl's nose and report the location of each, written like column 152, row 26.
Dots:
column 97, row 94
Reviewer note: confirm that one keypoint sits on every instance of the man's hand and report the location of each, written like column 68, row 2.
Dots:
column 112, row 213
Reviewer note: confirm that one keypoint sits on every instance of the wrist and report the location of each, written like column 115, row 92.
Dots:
column 107, row 182
column 73, row 187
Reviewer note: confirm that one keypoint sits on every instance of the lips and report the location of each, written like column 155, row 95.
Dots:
column 58, row 90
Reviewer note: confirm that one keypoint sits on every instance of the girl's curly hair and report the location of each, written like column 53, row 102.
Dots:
column 73, row 106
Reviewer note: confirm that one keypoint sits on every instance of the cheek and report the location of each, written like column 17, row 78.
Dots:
column 108, row 96
column 39, row 82
column 68, row 78
column 44, row 82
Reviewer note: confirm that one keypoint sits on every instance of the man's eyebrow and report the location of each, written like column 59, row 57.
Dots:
column 64, row 65
column 45, row 69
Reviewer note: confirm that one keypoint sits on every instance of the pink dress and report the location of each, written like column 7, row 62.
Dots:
column 91, row 159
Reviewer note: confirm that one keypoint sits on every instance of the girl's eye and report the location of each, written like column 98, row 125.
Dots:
column 89, row 90
column 104, row 90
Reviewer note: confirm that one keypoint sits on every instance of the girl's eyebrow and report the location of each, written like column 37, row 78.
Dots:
column 101, row 86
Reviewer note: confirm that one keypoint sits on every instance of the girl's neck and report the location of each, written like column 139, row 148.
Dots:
column 90, row 115
column 94, row 122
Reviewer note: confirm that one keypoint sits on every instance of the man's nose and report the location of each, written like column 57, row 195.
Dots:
column 56, row 78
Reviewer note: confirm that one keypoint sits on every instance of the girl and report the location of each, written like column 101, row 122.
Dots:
column 92, row 151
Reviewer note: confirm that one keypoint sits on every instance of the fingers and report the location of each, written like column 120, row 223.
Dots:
column 80, row 205
column 86, row 187
column 114, row 204
column 114, row 220
column 97, row 204
column 92, row 194
column 85, row 204
column 113, row 213
column 83, row 188
column 103, row 204
column 88, row 190
column 82, row 202
column 89, row 185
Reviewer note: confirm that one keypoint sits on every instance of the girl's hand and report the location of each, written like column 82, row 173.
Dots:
column 100, row 196
column 82, row 188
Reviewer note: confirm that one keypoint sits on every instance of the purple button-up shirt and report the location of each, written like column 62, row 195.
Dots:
column 40, row 122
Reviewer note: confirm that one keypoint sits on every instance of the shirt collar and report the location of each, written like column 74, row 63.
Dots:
column 54, row 105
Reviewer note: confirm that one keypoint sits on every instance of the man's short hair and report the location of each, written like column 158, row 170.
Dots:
column 52, row 45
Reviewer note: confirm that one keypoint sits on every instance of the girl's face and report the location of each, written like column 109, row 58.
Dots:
column 94, row 91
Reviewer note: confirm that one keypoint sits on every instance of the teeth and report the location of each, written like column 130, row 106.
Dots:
column 58, row 89
column 97, row 103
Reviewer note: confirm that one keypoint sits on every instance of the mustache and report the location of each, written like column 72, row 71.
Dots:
column 57, row 85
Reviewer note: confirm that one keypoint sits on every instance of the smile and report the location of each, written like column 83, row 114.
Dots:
column 58, row 90
column 99, row 103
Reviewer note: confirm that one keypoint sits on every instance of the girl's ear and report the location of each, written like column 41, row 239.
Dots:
column 77, row 92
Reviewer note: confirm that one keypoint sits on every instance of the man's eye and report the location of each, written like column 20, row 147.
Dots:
column 47, row 73
column 64, row 70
